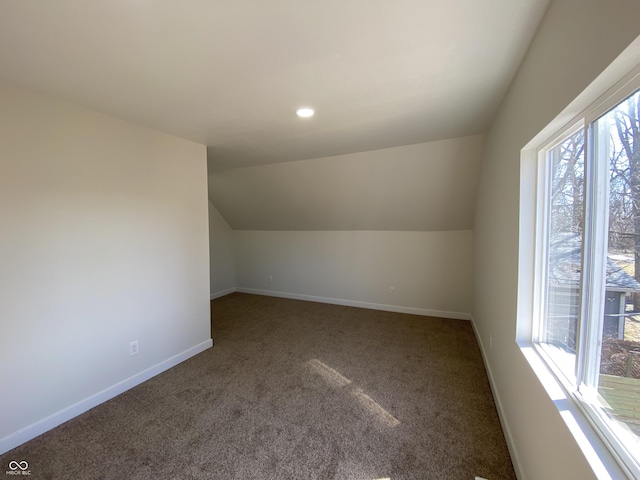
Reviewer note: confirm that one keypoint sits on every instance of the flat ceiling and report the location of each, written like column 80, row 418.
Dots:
column 230, row 74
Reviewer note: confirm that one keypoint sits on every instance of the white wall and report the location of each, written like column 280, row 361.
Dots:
column 222, row 270
column 431, row 271
column 104, row 240
column 347, row 228
column 576, row 41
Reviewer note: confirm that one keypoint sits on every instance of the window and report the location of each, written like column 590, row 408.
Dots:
column 586, row 324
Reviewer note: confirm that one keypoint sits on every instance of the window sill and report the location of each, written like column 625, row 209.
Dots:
column 595, row 451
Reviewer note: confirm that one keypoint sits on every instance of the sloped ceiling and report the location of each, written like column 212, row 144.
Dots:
column 423, row 187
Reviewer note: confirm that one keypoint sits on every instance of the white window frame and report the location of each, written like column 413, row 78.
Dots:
column 597, row 437
column 541, row 248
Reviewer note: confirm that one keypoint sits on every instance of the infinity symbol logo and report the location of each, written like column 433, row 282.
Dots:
column 23, row 465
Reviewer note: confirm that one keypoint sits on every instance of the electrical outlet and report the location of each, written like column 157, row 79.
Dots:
column 392, row 290
column 270, row 279
column 133, row 347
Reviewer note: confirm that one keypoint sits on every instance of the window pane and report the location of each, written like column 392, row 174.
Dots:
column 564, row 251
column 618, row 136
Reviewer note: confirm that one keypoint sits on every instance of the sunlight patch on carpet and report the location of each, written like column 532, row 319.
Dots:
column 374, row 408
column 332, row 377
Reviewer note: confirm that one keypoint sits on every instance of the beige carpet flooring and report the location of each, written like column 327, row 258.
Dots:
column 295, row 390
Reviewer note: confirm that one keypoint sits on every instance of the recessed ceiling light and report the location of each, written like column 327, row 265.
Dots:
column 305, row 112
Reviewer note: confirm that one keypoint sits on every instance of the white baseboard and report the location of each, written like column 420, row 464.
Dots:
column 352, row 303
column 515, row 458
column 222, row 293
column 38, row 428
